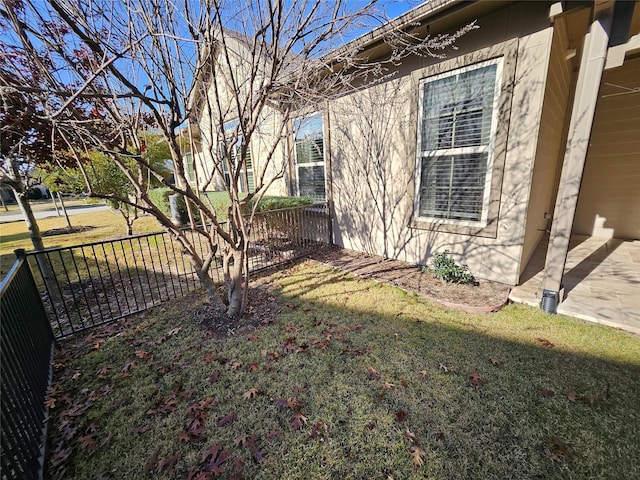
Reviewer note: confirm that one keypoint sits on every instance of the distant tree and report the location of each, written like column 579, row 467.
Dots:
column 157, row 63
column 107, row 179
column 26, row 142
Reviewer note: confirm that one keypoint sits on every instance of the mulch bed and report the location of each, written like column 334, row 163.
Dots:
column 481, row 297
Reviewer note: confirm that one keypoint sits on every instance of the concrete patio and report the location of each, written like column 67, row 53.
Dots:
column 601, row 281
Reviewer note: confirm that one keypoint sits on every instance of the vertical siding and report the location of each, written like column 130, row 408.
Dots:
column 551, row 140
column 609, row 202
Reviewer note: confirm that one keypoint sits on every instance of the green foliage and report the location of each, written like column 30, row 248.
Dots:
column 275, row 203
column 34, row 194
column 446, row 269
column 160, row 198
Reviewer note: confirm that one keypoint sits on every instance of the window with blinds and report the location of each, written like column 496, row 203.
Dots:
column 246, row 185
column 457, row 129
column 309, row 145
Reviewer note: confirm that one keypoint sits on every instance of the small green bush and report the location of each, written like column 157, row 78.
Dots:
column 160, row 198
column 446, row 269
column 34, row 194
column 275, row 203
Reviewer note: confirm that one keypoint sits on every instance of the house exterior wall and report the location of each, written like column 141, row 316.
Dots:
column 551, row 140
column 373, row 151
column 266, row 135
column 609, row 201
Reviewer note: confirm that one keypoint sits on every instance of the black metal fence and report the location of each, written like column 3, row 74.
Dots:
column 26, row 349
column 91, row 284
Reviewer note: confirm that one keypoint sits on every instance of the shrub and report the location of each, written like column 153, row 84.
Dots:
column 275, row 203
column 160, row 198
column 34, row 194
column 446, row 269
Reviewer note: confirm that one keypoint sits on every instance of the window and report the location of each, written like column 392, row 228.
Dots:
column 457, row 118
column 247, row 186
column 309, row 144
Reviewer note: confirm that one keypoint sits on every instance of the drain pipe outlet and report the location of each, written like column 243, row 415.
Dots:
column 549, row 302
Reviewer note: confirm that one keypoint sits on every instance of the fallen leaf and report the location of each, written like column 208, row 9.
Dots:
column 298, row 420
column 246, row 441
column 128, row 366
column 319, row 431
column 140, row 429
column 226, row 420
column 423, row 374
column 401, row 416
column 252, row 367
column 475, row 379
column 249, row 394
column 417, row 455
column 214, row 377
column 410, row 436
column 258, row 455
column 571, row 396
column 252, row 338
column 387, row 385
column 168, row 463
column 546, row 393
column 142, row 354
column 544, row 342
column 88, row 440
column 373, row 373
column 445, row 367
column 496, row 362
column 274, row 434
column 558, row 450
column 152, row 461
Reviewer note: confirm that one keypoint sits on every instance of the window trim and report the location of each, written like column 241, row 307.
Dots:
column 322, row 163
column 489, row 148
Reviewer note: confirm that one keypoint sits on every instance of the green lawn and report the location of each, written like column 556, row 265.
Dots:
column 352, row 379
column 107, row 223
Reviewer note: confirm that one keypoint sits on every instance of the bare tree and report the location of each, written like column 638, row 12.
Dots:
column 224, row 75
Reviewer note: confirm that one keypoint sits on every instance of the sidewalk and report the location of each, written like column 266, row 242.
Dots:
column 71, row 210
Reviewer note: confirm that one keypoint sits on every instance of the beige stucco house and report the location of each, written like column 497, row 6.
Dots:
column 525, row 136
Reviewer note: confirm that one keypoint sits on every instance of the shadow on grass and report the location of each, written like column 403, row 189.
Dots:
column 380, row 376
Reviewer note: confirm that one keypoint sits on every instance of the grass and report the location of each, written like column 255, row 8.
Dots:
column 106, row 223
column 380, row 376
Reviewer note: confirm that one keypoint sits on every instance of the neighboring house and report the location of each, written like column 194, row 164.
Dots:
column 529, row 128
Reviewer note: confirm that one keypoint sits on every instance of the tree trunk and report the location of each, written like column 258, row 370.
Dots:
column 234, row 282
column 29, row 218
column 64, row 210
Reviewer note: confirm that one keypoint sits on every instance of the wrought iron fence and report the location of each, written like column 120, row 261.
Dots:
column 26, row 349
column 91, row 284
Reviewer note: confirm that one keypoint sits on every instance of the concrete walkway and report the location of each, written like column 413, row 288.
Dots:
column 72, row 210
column 601, row 281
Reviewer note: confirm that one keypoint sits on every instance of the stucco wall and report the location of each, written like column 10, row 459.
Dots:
column 268, row 130
column 609, row 200
column 373, row 151
column 551, row 140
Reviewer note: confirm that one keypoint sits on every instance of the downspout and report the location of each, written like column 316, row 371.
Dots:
column 586, row 96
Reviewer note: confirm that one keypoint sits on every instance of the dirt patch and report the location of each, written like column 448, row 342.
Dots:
column 484, row 296
column 65, row 230
column 262, row 310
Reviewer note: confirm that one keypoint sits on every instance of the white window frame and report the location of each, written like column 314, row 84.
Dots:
column 310, row 164
column 489, row 148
